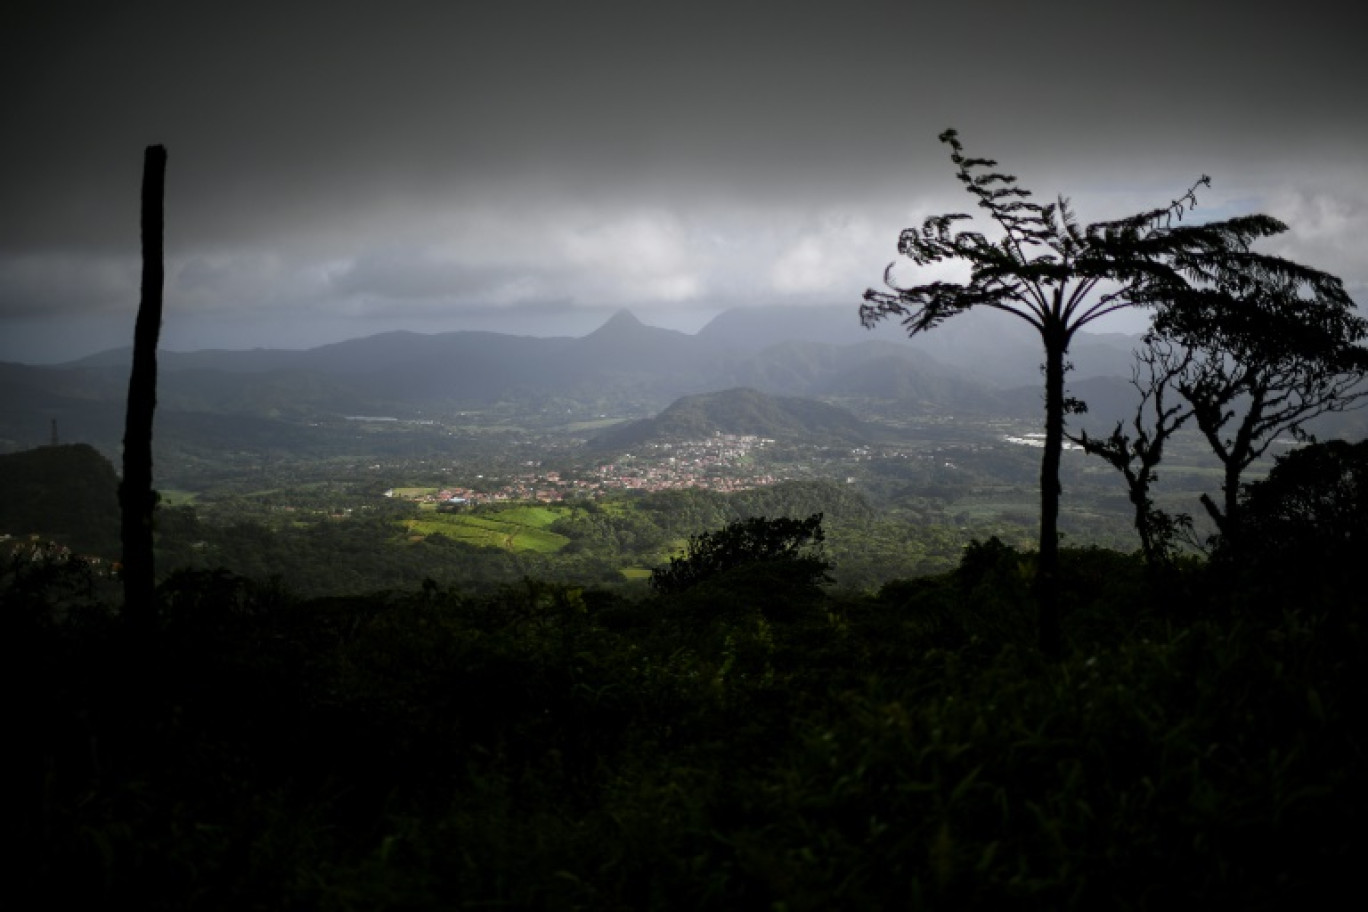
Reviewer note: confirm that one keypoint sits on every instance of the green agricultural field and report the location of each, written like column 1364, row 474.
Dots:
column 532, row 516
column 414, row 492
column 515, row 529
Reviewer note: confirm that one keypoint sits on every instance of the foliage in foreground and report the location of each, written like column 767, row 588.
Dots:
column 554, row 747
column 791, row 547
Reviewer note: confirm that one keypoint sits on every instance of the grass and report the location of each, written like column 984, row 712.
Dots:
column 414, row 492
column 521, row 528
column 528, row 515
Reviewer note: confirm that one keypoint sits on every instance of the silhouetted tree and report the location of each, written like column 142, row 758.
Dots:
column 1305, row 529
column 1314, row 501
column 1136, row 452
column 794, row 543
column 137, row 500
column 1059, row 277
column 1267, row 354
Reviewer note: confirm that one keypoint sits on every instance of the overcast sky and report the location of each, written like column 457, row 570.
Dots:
column 338, row 169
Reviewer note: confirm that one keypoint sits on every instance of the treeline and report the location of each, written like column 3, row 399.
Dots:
column 367, row 549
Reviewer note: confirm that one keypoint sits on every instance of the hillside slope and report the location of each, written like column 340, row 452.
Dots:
column 68, row 494
column 740, row 411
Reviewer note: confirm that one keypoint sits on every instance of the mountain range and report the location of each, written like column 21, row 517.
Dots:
column 975, row 364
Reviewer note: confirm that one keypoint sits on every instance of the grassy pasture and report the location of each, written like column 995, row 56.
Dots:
column 520, row 528
column 414, row 492
column 535, row 517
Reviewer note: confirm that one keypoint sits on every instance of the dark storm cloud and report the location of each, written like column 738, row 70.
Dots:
column 485, row 154
column 405, row 275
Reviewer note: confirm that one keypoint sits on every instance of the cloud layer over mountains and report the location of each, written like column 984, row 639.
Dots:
column 338, row 169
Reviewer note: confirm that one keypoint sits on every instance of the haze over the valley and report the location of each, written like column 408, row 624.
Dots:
column 342, row 169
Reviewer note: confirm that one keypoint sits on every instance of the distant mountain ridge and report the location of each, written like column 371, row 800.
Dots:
column 970, row 365
column 990, row 349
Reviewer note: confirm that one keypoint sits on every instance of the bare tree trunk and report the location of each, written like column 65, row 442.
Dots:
column 136, row 498
column 1144, row 523
column 1050, row 632
column 1226, row 515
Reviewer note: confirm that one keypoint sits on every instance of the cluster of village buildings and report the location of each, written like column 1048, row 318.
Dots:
column 720, row 463
column 34, row 548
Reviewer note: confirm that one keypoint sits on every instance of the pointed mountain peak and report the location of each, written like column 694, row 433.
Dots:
column 621, row 326
column 623, row 319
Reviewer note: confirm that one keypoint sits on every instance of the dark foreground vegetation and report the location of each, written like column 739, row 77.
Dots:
column 746, row 740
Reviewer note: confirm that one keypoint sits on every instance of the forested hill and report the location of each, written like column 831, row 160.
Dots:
column 68, row 494
column 741, row 411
